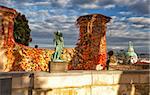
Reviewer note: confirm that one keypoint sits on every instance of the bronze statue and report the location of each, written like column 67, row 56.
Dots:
column 59, row 44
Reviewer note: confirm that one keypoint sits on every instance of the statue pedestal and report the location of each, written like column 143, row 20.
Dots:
column 58, row 66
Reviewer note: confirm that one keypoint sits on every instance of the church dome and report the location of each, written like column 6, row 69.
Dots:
column 131, row 54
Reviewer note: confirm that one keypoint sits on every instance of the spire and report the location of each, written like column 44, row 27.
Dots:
column 130, row 47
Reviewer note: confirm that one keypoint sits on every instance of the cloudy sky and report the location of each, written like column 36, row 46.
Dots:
column 130, row 20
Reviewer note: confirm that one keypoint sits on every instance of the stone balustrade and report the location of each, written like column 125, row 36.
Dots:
column 80, row 82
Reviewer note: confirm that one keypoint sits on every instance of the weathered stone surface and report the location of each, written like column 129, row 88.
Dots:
column 58, row 66
column 17, row 82
column 129, row 78
column 80, row 83
column 105, row 90
column 60, row 80
column 63, row 91
column 144, row 78
column 133, row 89
column 5, row 85
column 21, row 91
column 21, row 82
column 102, row 79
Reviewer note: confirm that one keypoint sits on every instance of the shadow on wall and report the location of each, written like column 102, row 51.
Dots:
column 134, row 84
column 127, row 83
column 37, row 91
column 39, row 82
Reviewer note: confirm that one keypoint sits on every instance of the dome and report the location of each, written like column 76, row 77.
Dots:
column 131, row 54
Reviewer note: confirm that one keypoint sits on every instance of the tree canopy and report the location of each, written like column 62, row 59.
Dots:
column 22, row 30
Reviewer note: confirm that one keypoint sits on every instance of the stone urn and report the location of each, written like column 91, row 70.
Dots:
column 58, row 66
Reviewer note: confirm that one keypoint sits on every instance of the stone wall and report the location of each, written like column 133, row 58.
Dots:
column 80, row 83
column 92, row 83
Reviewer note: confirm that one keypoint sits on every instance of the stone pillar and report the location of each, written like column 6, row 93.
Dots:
column 7, row 24
column 7, row 16
column 91, row 47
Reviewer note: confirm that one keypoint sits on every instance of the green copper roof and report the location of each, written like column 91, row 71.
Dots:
column 131, row 54
column 130, row 51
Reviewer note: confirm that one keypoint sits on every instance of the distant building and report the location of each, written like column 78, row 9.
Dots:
column 131, row 56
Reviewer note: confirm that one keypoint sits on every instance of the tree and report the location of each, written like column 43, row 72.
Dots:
column 22, row 30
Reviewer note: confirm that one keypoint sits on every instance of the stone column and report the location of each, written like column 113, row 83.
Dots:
column 91, row 47
column 7, row 16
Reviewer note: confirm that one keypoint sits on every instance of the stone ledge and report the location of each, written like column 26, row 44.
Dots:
column 122, row 72
column 15, row 74
column 21, row 82
column 83, row 78
column 62, row 81
column 75, row 78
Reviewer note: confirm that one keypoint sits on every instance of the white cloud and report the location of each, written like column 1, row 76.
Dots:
column 117, row 23
column 9, row 3
column 129, row 34
column 125, row 13
column 63, row 2
column 61, row 18
column 90, row 6
column 36, row 3
column 139, row 20
column 135, row 6
column 121, row 28
column 117, row 47
column 55, row 22
column 127, row 2
column 109, row 6
column 35, row 27
column 137, row 26
column 36, row 16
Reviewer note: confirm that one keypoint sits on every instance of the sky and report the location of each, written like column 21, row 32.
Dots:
column 130, row 20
